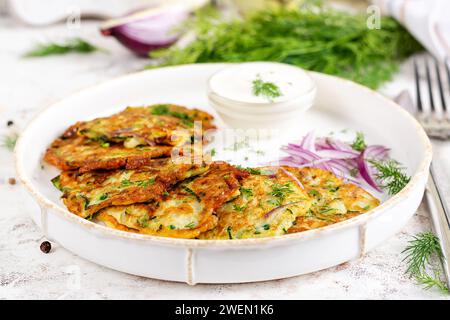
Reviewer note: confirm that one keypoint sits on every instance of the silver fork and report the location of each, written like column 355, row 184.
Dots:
column 437, row 125
column 435, row 122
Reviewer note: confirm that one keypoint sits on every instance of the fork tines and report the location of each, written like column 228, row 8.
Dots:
column 434, row 119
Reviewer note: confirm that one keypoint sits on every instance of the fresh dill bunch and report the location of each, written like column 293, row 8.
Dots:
column 9, row 141
column 72, row 45
column 359, row 144
column 421, row 254
column 266, row 89
column 319, row 39
column 390, row 175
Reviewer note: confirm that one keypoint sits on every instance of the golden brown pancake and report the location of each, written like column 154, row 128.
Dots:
column 333, row 200
column 86, row 193
column 86, row 155
column 268, row 204
column 187, row 211
column 162, row 124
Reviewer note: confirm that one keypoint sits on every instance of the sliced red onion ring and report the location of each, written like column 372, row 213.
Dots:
column 297, row 182
column 268, row 214
column 309, row 142
column 376, row 152
column 336, row 154
column 365, row 170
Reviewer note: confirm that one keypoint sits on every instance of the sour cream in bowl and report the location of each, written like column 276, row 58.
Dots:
column 261, row 94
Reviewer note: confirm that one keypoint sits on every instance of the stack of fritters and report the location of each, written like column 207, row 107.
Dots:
column 118, row 170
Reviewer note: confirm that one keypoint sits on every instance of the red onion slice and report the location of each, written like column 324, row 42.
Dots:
column 309, row 142
column 290, row 175
column 271, row 212
column 365, row 170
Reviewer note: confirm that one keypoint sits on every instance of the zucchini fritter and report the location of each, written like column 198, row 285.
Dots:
column 86, row 193
column 162, row 124
column 268, row 205
column 187, row 211
column 333, row 200
column 85, row 155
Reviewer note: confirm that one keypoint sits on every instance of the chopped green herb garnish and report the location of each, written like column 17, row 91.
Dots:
column 163, row 109
column 326, row 209
column 246, row 191
column 191, row 192
column 213, row 152
column 145, row 183
column 265, row 89
column 125, row 183
column 333, row 189
column 250, row 170
column 239, row 208
column 390, row 175
column 280, row 191
column 86, row 200
column 9, row 141
column 266, row 226
column 143, row 221
column 56, row 181
column 72, row 45
column 172, row 227
column 359, row 144
column 229, row 233
column 314, row 193
column 103, row 197
column 424, row 254
column 190, row 225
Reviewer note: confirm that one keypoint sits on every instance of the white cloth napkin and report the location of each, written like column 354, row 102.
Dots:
column 427, row 20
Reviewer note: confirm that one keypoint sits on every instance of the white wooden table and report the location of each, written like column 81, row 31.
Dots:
column 28, row 85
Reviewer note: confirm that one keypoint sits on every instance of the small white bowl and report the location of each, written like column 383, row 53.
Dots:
column 230, row 93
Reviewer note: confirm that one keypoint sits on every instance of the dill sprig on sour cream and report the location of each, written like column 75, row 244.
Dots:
column 265, row 89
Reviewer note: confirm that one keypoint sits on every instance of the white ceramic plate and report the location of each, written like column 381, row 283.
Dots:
column 340, row 105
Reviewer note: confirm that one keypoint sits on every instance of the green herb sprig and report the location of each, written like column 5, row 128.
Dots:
column 391, row 175
column 281, row 191
column 77, row 45
column 422, row 254
column 265, row 89
column 359, row 144
column 319, row 39
column 9, row 141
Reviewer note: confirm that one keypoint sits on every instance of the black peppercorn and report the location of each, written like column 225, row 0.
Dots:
column 9, row 123
column 46, row 247
column 12, row 181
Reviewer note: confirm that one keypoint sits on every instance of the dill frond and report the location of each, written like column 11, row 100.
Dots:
column 72, row 45
column 359, row 144
column 391, row 175
column 421, row 254
column 9, row 141
column 266, row 89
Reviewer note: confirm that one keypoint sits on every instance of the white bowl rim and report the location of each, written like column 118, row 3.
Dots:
column 45, row 203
